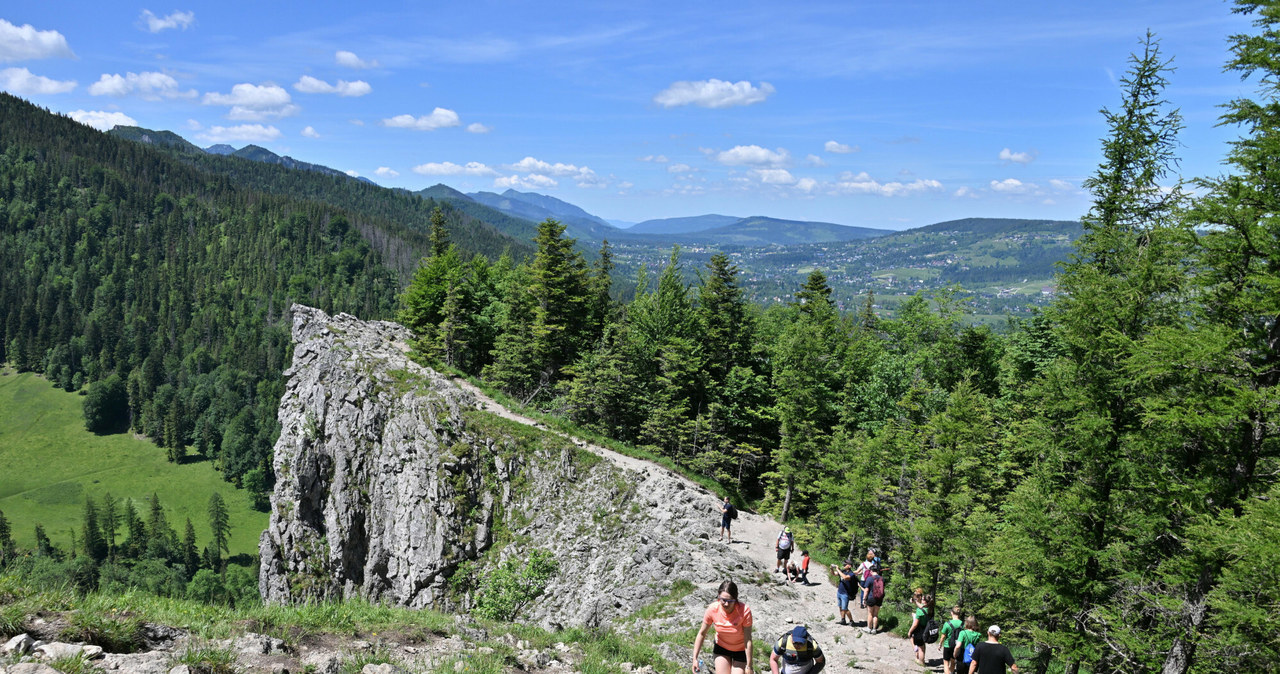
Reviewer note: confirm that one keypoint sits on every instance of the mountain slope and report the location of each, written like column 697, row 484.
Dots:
column 536, row 207
column 685, row 225
column 167, row 139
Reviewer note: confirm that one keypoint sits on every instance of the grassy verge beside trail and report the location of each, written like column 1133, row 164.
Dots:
column 51, row 463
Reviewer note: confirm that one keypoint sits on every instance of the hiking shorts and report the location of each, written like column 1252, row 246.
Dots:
column 784, row 553
column 842, row 600
column 917, row 637
column 725, row 521
column 734, row 656
column 949, row 652
column 872, row 602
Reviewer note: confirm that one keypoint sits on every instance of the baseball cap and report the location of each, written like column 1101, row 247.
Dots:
column 799, row 635
column 994, row 629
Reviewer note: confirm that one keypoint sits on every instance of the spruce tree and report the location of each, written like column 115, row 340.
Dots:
column 94, row 546
column 219, row 523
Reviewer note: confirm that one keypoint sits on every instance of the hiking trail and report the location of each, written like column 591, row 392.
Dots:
column 776, row 605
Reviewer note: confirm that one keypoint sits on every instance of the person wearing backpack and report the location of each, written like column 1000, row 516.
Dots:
column 845, row 590
column 864, row 570
column 950, row 631
column 991, row 656
column 965, row 643
column 875, row 599
column 923, row 615
column 796, row 653
column 783, row 546
column 728, row 514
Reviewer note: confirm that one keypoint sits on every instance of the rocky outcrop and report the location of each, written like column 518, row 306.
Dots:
column 393, row 485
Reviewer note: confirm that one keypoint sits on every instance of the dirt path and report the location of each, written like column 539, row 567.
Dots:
column 848, row 648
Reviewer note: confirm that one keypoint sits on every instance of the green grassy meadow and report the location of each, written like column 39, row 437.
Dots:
column 49, row 463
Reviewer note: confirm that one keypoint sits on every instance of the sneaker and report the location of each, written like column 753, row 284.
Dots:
column 842, row 622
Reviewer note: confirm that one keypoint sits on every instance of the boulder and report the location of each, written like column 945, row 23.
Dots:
column 19, row 645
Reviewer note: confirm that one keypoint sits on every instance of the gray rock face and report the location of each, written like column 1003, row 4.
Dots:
column 392, row 485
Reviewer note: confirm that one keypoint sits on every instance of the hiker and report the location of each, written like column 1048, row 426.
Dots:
column 965, row 643
column 732, row 621
column 799, row 653
column 804, row 567
column 991, row 656
column 728, row 513
column 783, row 546
column 875, row 599
column 924, row 611
column 845, row 590
column 950, row 632
column 864, row 570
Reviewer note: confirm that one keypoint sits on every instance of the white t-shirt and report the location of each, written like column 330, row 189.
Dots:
column 784, row 541
column 863, row 569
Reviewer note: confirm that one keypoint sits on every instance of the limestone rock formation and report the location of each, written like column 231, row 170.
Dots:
column 392, row 485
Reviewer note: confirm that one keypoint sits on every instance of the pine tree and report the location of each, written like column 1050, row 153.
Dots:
column 219, row 523
column 190, row 553
column 94, row 546
column 109, row 514
column 44, row 547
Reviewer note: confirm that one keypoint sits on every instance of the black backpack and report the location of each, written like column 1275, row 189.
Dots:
column 931, row 630
column 732, row 512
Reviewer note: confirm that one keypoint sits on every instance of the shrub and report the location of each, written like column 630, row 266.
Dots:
column 509, row 589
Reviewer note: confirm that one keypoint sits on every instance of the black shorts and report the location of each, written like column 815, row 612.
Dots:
column 724, row 521
column 784, row 554
column 872, row 602
column 917, row 637
column 734, row 656
column 948, row 652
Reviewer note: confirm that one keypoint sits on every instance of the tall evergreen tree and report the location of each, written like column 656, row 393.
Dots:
column 190, row 553
column 219, row 523
column 95, row 547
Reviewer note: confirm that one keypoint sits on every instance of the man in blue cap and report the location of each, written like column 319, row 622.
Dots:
column 796, row 653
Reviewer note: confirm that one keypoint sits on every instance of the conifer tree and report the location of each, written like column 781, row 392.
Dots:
column 91, row 533
column 219, row 523
column 6, row 539
column 109, row 514
column 190, row 553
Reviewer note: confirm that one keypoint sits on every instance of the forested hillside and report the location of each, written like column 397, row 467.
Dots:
column 1103, row 478
column 161, row 280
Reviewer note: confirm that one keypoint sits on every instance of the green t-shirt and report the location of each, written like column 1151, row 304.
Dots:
column 967, row 637
column 922, row 616
column 950, row 630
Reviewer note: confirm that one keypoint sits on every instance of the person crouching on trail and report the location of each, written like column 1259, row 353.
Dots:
column 732, row 621
column 797, row 653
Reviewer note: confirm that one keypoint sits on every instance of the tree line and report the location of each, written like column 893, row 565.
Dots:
column 1103, row 476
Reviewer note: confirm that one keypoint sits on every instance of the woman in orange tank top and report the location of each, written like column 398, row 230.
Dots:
column 732, row 621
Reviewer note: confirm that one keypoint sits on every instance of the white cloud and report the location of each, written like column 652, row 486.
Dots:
column 1017, row 157
column 438, row 119
column 656, row 158
column 22, row 82
column 806, row 184
column 353, row 174
column 255, row 103
column 862, row 183
column 310, row 132
column 448, row 168
column 350, row 60
column 154, row 24
column 965, row 192
column 713, row 93
column 101, row 119
column 150, row 85
column 815, row 160
column 1061, row 185
column 19, row 43
column 356, row 122
column 753, row 155
column 531, row 165
column 477, row 127
column 529, row 182
column 386, row 172
column 1013, row 186
column 311, row 85
column 251, row 133
column 774, row 176
column 840, row 148
column 679, row 168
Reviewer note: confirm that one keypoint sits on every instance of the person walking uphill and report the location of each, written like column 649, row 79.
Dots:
column 786, row 541
column 797, row 652
column 728, row 514
column 732, row 621
column 991, row 656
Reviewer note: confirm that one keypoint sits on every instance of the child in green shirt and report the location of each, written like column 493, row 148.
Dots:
column 969, row 636
column 950, row 632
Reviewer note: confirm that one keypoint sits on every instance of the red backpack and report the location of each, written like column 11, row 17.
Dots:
column 877, row 588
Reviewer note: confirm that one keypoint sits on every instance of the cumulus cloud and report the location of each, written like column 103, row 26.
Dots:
column 964, row 193
column 529, row 182
column 154, row 24
column 386, row 172
column 806, row 184
column 311, row 85
column 249, row 133
column 1012, row 186
column 679, row 168
column 150, row 85
column 477, row 127
column 22, row 82
column 1061, row 185
column 753, row 155
column 438, row 119
column 862, row 183
column 713, row 93
column 310, row 132
column 815, row 160
column 20, row 43
column 353, row 174
column 255, row 103
column 531, row 165
column 657, row 158
column 472, row 168
column 350, row 60
column 840, row 148
column 1017, row 157
column 774, row 176
column 101, row 119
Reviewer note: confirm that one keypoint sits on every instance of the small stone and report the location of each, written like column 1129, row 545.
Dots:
column 21, row 645
column 361, row 645
column 58, row 650
column 181, row 669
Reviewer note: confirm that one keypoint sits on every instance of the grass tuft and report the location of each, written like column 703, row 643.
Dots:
column 207, row 660
column 355, row 662
column 75, row 664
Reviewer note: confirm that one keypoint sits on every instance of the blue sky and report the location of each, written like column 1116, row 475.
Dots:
column 877, row 114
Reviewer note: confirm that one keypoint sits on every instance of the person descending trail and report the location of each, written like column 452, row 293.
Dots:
column 732, row 621
column 796, row 653
column 728, row 514
column 950, row 633
column 783, row 546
